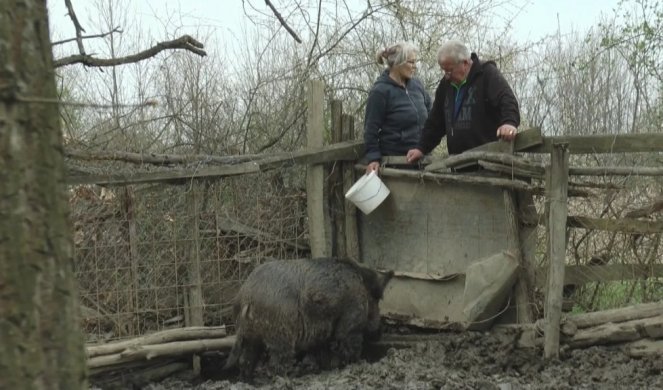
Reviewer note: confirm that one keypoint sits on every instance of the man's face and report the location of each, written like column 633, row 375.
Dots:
column 455, row 71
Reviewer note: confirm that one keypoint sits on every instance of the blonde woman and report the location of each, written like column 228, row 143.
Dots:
column 397, row 106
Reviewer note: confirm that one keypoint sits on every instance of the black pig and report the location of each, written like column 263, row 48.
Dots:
column 323, row 307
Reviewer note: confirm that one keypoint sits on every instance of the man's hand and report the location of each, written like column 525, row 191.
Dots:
column 413, row 155
column 507, row 132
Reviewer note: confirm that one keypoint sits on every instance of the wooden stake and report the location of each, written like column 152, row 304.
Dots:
column 315, row 126
column 337, row 196
column 523, row 310
column 559, row 177
column 195, row 290
column 351, row 229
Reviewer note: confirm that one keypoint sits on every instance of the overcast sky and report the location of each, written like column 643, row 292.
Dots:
column 538, row 17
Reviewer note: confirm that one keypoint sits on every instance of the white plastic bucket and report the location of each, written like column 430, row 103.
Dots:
column 368, row 192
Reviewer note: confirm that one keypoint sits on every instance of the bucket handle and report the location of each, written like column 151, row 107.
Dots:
column 374, row 195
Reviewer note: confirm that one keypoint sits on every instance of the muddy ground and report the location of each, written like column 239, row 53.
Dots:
column 469, row 360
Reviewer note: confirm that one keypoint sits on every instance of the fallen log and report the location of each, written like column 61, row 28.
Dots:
column 566, row 327
column 613, row 333
column 148, row 352
column 644, row 348
column 165, row 336
column 178, row 348
column 645, row 310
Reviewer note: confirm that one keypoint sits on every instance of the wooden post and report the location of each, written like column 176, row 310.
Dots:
column 195, row 290
column 351, row 230
column 337, row 198
column 557, row 197
column 133, row 252
column 315, row 126
column 524, row 313
column 523, row 310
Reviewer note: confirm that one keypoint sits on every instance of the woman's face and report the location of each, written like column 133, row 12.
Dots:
column 408, row 68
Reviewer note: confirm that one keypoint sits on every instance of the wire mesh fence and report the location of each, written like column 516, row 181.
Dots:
column 144, row 252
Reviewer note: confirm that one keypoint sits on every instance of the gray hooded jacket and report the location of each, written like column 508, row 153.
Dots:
column 394, row 117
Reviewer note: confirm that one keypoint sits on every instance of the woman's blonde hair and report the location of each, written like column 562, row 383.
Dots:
column 396, row 54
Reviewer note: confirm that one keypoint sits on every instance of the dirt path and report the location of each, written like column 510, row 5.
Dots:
column 466, row 361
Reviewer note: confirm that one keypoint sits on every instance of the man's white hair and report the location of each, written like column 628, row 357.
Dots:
column 453, row 50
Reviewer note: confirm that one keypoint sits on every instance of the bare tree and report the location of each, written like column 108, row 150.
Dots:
column 41, row 345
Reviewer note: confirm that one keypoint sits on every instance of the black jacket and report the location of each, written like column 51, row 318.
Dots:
column 487, row 102
column 394, row 117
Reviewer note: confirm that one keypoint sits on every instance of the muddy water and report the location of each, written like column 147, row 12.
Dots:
column 460, row 361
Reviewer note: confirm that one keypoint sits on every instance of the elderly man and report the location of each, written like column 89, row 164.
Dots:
column 473, row 104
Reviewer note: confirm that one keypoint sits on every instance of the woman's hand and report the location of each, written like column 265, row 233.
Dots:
column 372, row 166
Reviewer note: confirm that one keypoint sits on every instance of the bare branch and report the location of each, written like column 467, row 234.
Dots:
column 282, row 21
column 365, row 15
column 102, row 35
column 316, row 35
column 185, row 42
column 77, row 26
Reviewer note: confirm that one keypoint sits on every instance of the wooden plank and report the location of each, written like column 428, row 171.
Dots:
column 624, row 225
column 512, row 170
column 315, row 174
column 343, row 151
column 402, row 160
column 175, row 177
column 609, row 143
column 347, row 151
column 524, row 141
column 559, row 177
column 635, row 312
column 155, row 158
column 582, row 274
column 351, row 228
column 536, row 171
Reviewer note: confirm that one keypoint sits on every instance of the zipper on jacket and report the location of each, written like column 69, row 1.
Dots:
column 413, row 105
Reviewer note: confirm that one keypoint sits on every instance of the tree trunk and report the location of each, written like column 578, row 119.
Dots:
column 40, row 342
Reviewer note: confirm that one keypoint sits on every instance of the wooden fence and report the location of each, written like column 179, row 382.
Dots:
column 335, row 233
